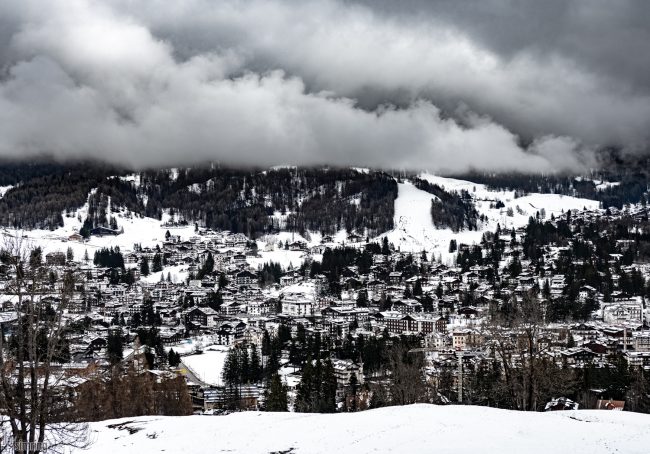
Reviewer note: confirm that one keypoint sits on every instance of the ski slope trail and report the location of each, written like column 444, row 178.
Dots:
column 414, row 230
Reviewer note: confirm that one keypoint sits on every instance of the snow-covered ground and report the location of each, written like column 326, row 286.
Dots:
column 522, row 207
column 208, row 365
column 142, row 230
column 4, row 189
column 287, row 259
column 190, row 345
column 414, row 429
column 414, row 231
column 177, row 273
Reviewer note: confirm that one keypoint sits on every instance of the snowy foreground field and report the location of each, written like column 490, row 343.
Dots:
column 414, row 429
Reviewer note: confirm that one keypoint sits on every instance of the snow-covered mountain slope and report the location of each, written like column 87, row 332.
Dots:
column 413, row 429
column 414, row 230
column 4, row 189
column 141, row 230
column 522, row 207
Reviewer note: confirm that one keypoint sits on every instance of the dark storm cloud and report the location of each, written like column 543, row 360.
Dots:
column 599, row 34
column 427, row 85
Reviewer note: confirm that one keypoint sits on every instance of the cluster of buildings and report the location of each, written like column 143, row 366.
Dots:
column 446, row 306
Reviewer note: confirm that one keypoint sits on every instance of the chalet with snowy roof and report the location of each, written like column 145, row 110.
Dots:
column 261, row 307
column 298, row 246
column 202, row 316
column 232, row 308
column 577, row 356
column 451, row 283
column 290, row 279
column 376, row 286
column 420, row 323
column 55, row 258
column 641, row 341
column 394, row 322
column 407, row 306
column 600, row 348
column 239, row 259
column 75, row 237
column 585, row 331
column 349, row 315
column 298, row 307
column 229, row 332
column 586, row 292
column 104, row 231
column 471, row 277
column 344, row 369
column 171, row 336
column 622, row 312
column 245, row 278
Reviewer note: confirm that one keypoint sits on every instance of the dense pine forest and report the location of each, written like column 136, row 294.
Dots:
column 450, row 209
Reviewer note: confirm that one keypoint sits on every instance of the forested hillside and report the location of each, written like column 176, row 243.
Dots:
column 42, row 192
column 249, row 201
column 256, row 201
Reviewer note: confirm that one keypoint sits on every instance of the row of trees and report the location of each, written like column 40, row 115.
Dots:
column 317, row 388
column 243, row 365
column 127, row 393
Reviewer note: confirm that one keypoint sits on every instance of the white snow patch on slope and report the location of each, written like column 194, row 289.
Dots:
column 208, row 365
column 602, row 185
column 142, row 230
column 528, row 205
column 134, row 178
column 414, row 231
column 4, row 189
column 177, row 274
column 415, row 429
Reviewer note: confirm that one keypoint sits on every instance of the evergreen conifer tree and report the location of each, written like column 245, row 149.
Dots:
column 144, row 267
column 276, row 395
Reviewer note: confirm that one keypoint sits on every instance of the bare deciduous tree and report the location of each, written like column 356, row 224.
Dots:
column 33, row 392
column 516, row 335
column 407, row 377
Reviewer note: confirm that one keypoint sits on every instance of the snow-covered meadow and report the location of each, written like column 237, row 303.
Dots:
column 412, row 429
column 208, row 365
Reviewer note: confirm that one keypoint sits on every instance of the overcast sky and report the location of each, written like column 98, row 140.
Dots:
column 421, row 84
